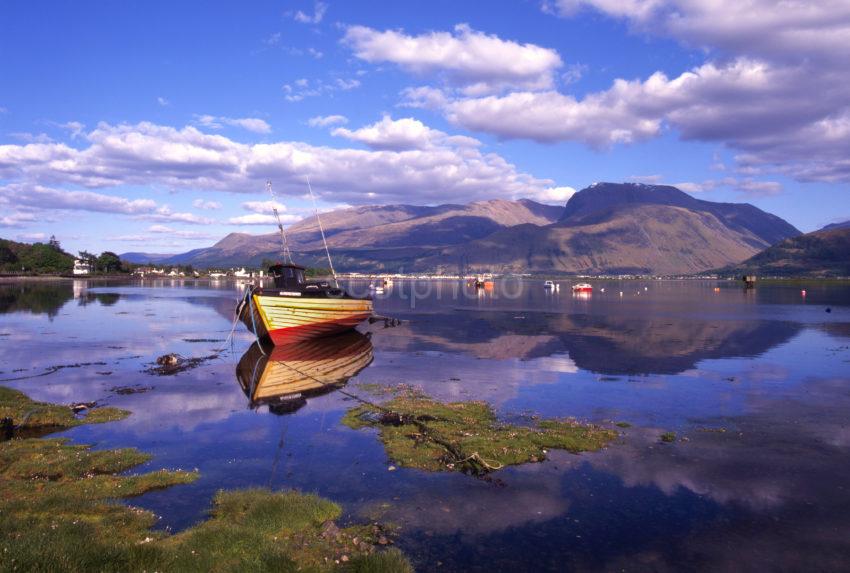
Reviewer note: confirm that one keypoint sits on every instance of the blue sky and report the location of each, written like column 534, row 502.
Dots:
column 153, row 125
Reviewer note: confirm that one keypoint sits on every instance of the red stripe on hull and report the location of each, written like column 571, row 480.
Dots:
column 314, row 330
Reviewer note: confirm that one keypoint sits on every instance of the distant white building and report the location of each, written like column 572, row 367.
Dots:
column 82, row 267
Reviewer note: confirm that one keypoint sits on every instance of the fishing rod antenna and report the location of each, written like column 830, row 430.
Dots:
column 322, row 231
column 287, row 256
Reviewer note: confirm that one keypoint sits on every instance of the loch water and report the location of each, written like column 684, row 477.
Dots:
column 755, row 384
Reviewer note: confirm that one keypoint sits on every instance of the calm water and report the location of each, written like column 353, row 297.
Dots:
column 757, row 381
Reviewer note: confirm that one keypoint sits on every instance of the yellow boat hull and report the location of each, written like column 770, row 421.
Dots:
column 287, row 319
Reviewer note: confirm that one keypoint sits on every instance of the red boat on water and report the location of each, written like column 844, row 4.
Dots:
column 582, row 287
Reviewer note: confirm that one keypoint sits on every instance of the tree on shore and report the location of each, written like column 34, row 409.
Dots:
column 109, row 262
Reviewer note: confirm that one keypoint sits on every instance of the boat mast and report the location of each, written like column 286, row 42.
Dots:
column 322, row 231
column 287, row 256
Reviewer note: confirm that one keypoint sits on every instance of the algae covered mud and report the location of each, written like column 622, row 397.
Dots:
column 672, row 427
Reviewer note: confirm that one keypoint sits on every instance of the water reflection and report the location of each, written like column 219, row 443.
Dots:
column 283, row 377
column 602, row 344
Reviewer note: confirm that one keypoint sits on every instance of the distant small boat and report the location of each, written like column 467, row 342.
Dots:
column 295, row 309
column 582, row 287
column 548, row 284
column 377, row 288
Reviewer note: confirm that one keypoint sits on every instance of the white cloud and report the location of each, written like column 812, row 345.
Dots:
column 163, row 102
column 253, row 124
column 165, row 214
column 788, row 118
column 399, row 134
column 206, row 205
column 191, row 235
column 557, row 195
column 318, row 13
column 47, row 198
column 789, row 30
column 260, row 219
column 777, row 90
column 264, row 207
column 40, row 198
column 477, row 62
column 327, row 120
column 17, row 219
column 303, row 88
column 452, row 169
column 74, row 127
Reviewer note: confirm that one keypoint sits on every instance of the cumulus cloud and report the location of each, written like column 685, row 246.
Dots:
column 318, row 14
column 816, row 29
column 16, row 219
column 555, row 195
column 327, row 120
column 264, row 207
column 779, row 93
column 150, row 154
column 253, row 124
column 767, row 111
column 477, row 62
column 206, row 205
column 400, row 134
column 40, row 198
column 47, row 198
column 260, row 219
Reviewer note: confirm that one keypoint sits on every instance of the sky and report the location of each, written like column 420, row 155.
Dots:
column 153, row 126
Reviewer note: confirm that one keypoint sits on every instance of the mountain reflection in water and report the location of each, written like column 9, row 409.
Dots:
column 598, row 343
column 283, row 377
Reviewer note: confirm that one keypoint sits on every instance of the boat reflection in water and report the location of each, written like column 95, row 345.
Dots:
column 284, row 376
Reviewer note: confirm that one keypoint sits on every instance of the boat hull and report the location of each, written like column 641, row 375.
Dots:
column 288, row 319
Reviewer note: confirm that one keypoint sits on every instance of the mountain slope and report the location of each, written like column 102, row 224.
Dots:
column 607, row 228
column 824, row 253
column 371, row 234
column 625, row 229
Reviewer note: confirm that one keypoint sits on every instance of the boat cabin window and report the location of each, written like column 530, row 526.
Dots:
column 291, row 277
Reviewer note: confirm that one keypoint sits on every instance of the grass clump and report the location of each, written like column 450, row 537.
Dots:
column 57, row 513
column 668, row 437
column 426, row 434
column 623, row 425
column 29, row 415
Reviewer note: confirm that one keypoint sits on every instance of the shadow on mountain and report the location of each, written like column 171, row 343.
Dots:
column 283, row 377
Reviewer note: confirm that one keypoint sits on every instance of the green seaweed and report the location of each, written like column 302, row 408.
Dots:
column 57, row 513
column 422, row 433
column 27, row 414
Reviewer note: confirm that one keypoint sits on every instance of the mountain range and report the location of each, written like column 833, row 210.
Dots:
column 607, row 228
column 824, row 253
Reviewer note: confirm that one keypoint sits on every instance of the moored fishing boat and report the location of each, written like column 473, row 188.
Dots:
column 582, row 287
column 296, row 309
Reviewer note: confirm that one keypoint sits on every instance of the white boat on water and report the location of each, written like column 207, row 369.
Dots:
column 549, row 284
